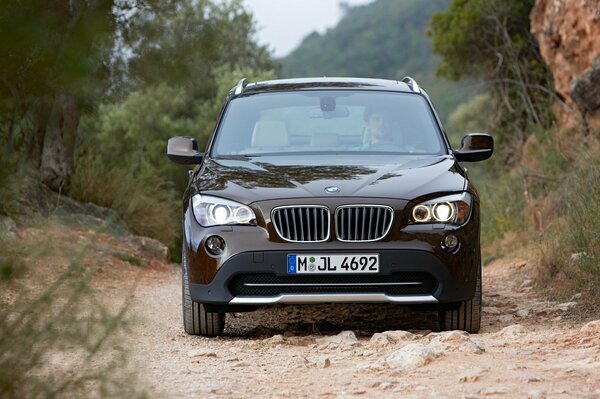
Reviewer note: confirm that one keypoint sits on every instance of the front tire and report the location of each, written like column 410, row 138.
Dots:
column 468, row 316
column 196, row 320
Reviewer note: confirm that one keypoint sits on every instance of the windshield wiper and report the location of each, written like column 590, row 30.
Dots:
column 237, row 157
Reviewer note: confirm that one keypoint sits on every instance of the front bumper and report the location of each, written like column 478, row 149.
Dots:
column 443, row 286
column 407, row 250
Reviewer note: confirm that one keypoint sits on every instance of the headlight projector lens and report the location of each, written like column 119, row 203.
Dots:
column 220, row 214
column 243, row 215
column 421, row 213
column 443, row 212
column 215, row 245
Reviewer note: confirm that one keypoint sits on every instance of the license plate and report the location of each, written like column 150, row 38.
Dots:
column 323, row 263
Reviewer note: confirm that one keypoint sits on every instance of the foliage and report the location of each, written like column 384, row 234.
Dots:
column 122, row 150
column 52, row 51
column 225, row 77
column 384, row 39
column 60, row 341
column 142, row 71
column 469, row 117
column 146, row 202
column 571, row 245
column 52, row 46
column 503, row 206
column 8, row 192
column 182, row 52
column 181, row 42
column 133, row 133
column 491, row 41
column 501, row 199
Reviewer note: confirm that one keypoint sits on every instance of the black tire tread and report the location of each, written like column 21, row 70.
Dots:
column 196, row 320
column 468, row 316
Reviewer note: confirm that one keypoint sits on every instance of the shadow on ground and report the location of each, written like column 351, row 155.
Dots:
column 363, row 319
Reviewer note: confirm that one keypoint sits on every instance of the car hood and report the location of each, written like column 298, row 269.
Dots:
column 251, row 179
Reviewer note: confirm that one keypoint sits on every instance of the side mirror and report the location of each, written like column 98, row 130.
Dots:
column 475, row 147
column 184, row 150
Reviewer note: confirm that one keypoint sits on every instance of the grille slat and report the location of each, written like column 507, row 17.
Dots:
column 309, row 226
column 294, row 231
column 349, row 221
column 370, row 234
column 324, row 221
column 363, row 230
column 306, row 216
column 356, row 223
column 303, row 227
column 300, row 217
column 377, row 222
column 385, row 219
column 315, row 223
column 287, row 222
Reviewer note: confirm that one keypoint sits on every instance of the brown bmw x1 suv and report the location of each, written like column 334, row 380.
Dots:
column 329, row 190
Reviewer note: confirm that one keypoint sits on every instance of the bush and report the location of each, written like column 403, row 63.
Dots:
column 501, row 192
column 121, row 160
column 571, row 248
column 502, row 203
column 147, row 203
column 469, row 117
column 61, row 342
column 490, row 40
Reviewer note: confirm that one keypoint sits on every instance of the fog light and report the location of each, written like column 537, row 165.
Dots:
column 215, row 245
column 450, row 242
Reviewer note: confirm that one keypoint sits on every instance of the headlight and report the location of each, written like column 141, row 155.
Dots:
column 452, row 209
column 213, row 211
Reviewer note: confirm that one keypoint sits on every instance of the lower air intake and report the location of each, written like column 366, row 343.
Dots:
column 397, row 284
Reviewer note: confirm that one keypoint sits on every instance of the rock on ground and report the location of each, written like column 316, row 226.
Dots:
column 413, row 355
column 512, row 331
column 343, row 339
column 472, row 375
column 8, row 228
column 591, row 329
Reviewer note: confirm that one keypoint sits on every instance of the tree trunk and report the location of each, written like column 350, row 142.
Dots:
column 59, row 139
column 35, row 143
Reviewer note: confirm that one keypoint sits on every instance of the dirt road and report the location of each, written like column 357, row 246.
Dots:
column 526, row 348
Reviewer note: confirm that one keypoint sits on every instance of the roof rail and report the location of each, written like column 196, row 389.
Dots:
column 239, row 88
column 412, row 84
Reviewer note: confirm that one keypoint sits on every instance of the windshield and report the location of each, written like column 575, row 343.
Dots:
column 328, row 121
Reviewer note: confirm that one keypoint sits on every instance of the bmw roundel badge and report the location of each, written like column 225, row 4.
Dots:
column 332, row 189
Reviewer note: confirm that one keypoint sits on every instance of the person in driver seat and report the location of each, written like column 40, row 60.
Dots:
column 380, row 130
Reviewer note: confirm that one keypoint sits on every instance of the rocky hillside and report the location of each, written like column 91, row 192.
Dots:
column 568, row 32
column 54, row 219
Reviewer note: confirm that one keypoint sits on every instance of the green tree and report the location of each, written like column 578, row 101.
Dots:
column 181, row 64
column 61, row 57
column 181, row 42
column 491, row 40
column 135, row 131
column 184, row 57
column 52, row 68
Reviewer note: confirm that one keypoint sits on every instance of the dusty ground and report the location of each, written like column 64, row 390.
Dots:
column 526, row 348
